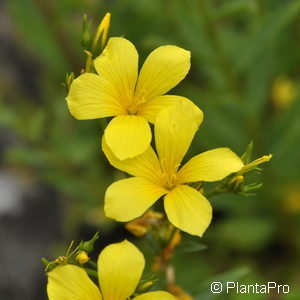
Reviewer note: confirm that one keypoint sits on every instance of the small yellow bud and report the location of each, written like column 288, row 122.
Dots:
column 142, row 225
column 82, row 257
column 175, row 240
column 291, row 201
column 102, row 31
column 283, row 92
column 236, row 181
column 255, row 163
column 159, row 264
column 154, row 216
column 136, row 229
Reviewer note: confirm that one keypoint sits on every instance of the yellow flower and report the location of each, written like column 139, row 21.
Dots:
column 156, row 176
column 120, row 267
column 117, row 91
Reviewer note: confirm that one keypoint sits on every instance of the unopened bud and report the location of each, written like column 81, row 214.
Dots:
column 82, row 257
column 142, row 225
column 255, row 163
column 145, row 285
column 136, row 229
column 283, row 92
column 86, row 33
column 246, row 157
column 88, row 246
column 201, row 190
column 236, row 182
column 102, row 32
column 45, row 262
column 69, row 79
column 175, row 240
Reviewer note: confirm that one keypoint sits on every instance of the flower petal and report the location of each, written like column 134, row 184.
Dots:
column 159, row 295
column 91, row 97
column 211, row 165
column 151, row 108
column 164, row 68
column 188, row 210
column 174, row 129
column 129, row 198
column 118, row 64
column 70, row 282
column 128, row 136
column 145, row 165
column 120, row 267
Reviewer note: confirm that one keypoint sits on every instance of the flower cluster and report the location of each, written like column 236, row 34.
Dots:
column 134, row 100
column 135, row 103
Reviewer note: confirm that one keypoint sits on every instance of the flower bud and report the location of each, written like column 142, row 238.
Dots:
column 283, row 92
column 236, row 182
column 86, row 33
column 88, row 246
column 82, row 257
column 102, row 32
column 142, row 225
column 145, row 285
column 253, row 164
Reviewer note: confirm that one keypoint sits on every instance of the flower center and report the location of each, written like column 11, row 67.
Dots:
column 134, row 102
column 132, row 109
column 169, row 174
column 169, row 180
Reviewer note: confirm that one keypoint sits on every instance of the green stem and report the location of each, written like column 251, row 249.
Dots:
column 91, row 272
column 91, row 263
column 216, row 191
column 51, row 17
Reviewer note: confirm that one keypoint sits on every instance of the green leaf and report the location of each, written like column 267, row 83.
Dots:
column 36, row 125
column 27, row 156
column 191, row 246
column 248, row 234
column 37, row 34
column 282, row 139
column 270, row 30
column 236, row 7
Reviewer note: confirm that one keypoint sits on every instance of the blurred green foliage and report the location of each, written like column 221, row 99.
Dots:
column 239, row 49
